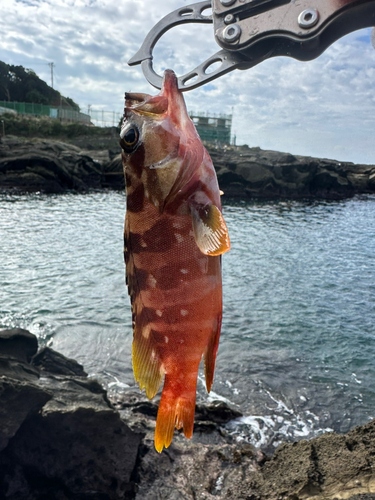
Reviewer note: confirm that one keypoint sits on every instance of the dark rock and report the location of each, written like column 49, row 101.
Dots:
column 46, row 166
column 17, row 343
column 60, row 438
column 243, row 172
column 114, row 174
column 53, row 362
column 81, row 451
column 254, row 173
column 217, row 412
column 20, row 395
column 19, row 401
column 59, row 435
column 327, row 467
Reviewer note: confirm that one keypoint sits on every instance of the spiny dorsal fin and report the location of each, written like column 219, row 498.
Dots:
column 210, row 230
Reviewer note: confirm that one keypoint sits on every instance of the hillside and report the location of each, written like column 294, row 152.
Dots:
column 23, row 85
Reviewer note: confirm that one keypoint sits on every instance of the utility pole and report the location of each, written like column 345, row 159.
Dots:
column 51, row 65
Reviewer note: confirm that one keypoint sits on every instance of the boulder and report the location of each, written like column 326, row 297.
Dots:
column 46, row 166
column 20, row 395
column 254, row 173
column 60, row 437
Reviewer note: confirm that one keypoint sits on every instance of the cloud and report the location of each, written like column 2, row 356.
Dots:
column 323, row 107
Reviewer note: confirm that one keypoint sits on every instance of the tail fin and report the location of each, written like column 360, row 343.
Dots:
column 176, row 409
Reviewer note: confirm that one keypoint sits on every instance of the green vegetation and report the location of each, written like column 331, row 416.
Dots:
column 44, row 127
column 23, row 85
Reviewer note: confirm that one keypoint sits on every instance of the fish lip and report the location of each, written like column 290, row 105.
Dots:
column 170, row 82
column 136, row 98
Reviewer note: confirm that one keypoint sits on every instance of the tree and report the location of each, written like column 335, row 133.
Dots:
column 23, row 85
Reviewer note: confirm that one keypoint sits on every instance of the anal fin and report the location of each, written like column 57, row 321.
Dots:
column 146, row 365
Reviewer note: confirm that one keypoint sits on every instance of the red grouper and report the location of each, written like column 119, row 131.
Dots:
column 174, row 236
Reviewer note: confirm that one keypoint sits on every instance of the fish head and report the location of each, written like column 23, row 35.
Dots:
column 158, row 140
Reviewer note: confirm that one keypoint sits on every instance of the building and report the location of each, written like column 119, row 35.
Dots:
column 213, row 128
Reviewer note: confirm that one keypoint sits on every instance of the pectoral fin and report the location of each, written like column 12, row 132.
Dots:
column 210, row 230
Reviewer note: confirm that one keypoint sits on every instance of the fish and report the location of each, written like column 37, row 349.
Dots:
column 174, row 237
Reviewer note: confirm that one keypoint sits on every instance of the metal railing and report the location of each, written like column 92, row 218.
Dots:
column 32, row 108
column 102, row 118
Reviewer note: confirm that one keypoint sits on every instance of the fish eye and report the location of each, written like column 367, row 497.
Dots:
column 129, row 140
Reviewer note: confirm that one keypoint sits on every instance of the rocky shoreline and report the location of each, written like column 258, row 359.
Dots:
column 50, row 166
column 61, row 437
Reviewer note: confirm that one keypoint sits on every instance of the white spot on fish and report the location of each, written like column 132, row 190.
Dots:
column 184, row 312
column 159, row 313
column 177, row 225
column 184, row 271
column 166, row 340
column 179, row 237
column 146, row 332
column 152, row 281
column 143, row 244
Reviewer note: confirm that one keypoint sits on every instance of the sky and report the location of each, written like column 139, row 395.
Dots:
column 323, row 108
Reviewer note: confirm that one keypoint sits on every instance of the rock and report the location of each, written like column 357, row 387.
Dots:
column 243, row 172
column 60, row 436
column 330, row 466
column 114, row 174
column 53, row 362
column 46, row 166
column 18, row 343
column 217, row 412
column 254, row 173
column 19, row 401
column 326, row 468
column 20, row 395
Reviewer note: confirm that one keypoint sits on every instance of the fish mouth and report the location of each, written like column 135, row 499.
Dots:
column 170, row 83
column 133, row 99
column 145, row 103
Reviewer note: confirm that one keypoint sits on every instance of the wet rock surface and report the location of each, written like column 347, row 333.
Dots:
column 247, row 173
column 62, row 438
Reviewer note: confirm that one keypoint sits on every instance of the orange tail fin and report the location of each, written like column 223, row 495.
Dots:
column 176, row 409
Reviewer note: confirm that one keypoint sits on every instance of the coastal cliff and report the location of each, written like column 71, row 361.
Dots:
column 61, row 437
column 50, row 166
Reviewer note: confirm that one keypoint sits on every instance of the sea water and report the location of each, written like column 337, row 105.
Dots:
column 297, row 347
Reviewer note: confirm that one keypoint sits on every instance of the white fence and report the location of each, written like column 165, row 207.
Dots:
column 102, row 118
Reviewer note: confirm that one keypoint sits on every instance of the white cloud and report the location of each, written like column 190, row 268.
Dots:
column 321, row 108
